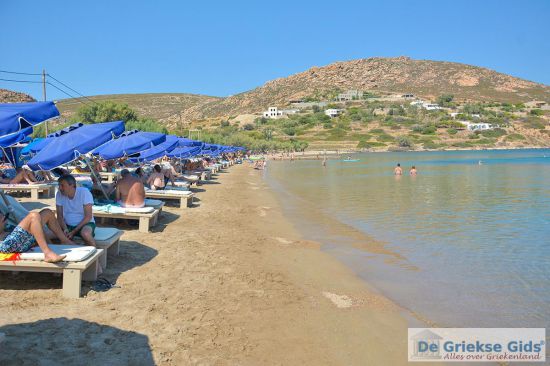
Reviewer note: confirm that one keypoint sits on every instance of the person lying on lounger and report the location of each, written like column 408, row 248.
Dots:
column 30, row 232
column 23, row 176
column 130, row 191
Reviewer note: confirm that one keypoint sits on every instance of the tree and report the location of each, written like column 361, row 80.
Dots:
column 445, row 100
column 110, row 111
column 404, row 141
column 316, row 108
column 106, row 112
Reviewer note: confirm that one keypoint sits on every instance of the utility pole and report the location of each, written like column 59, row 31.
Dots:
column 44, row 93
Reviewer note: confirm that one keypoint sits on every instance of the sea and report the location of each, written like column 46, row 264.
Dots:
column 464, row 243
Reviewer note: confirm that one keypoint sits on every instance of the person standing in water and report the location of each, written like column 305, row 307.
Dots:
column 398, row 170
column 413, row 170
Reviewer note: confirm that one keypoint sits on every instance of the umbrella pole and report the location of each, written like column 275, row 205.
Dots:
column 10, row 208
column 98, row 179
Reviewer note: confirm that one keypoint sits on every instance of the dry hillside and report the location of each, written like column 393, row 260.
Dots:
column 427, row 79
column 8, row 96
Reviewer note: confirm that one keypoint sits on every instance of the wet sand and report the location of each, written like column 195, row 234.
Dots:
column 228, row 282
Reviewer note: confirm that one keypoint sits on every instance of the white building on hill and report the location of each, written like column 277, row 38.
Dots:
column 274, row 112
column 426, row 105
column 477, row 126
column 332, row 112
column 350, row 95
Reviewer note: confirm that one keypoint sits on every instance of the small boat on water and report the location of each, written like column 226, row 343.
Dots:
column 350, row 160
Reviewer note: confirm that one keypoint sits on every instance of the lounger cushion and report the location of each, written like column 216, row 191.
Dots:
column 74, row 253
column 174, row 192
column 105, row 234
column 139, row 209
column 153, row 203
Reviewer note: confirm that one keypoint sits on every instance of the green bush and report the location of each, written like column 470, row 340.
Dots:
column 497, row 132
column 404, row 141
column 384, row 137
column 290, row 131
column 249, row 127
column 429, row 130
column 536, row 112
column 452, row 131
column 515, row 137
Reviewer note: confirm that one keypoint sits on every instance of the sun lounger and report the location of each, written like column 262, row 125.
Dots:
column 185, row 197
column 108, row 239
column 86, row 268
column 147, row 216
column 109, row 176
column 34, row 189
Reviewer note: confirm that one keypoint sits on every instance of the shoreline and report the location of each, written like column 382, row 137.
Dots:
column 330, row 154
column 228, row 282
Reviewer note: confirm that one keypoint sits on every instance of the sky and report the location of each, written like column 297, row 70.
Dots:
column 226, row 47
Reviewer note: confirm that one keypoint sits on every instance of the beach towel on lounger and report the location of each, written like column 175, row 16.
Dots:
column 74, row 253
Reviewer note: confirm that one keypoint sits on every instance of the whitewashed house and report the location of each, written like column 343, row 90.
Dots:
column 274, row 112
column 477, row 126
column 332, row 112
column 350, row 95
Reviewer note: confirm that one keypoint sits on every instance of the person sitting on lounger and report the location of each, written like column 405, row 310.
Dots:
column 141, row 175
column 74, row 210
column 30, row 232
column 156, row 179
column 130, row 191
column 23, row 176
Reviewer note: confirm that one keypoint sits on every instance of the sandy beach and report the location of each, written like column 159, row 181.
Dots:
column 228, row 282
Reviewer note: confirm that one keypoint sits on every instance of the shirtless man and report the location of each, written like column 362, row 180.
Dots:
column 413, row 170
column 398, row 170
column 130, row 191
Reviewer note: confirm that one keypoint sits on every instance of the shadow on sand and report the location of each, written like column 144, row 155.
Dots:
column 132, row 254
column 62, row 341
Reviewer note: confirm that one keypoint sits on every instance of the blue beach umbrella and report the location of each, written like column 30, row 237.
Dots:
column 183, row 142
column 71, row 145
column 184, row 152
column 157, row 151
column 39, row 143
column 129, row 143
column 17, row 117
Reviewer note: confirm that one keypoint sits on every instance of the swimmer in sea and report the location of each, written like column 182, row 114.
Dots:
column 398, row 170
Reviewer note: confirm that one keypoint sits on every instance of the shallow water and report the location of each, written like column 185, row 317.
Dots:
column 462, row 244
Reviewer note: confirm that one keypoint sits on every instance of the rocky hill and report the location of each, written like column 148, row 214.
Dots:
column 8, row 96
column 423, row 78
column 426, row 79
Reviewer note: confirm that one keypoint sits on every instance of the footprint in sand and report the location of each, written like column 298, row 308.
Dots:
column 341, row 301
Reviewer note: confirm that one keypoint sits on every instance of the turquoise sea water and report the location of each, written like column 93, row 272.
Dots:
column 462, row 244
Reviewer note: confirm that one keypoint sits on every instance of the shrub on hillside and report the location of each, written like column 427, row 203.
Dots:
column 429, row 130
column 536, row 112
column 404, row 141
column 515, row 137
column 452, row 131
column 249, row 127
column 497, row 132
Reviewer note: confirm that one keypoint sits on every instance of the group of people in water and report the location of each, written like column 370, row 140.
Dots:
column 399, row 171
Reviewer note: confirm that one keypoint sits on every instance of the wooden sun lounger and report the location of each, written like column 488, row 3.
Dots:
column 108, row 239
column 146, row 220
column 108, row 175
column 34, row 189
column 186, row 200
column 73, row 272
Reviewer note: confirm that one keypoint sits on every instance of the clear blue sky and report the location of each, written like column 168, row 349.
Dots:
column 226, row 47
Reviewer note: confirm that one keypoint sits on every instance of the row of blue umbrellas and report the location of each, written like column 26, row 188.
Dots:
column 107, row 140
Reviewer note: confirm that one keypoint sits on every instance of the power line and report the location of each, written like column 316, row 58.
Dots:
column 64, row 92
column 22, row 81
column 68, row 87
column 19, row 73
